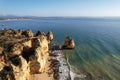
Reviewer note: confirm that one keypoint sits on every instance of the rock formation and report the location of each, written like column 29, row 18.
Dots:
column 50, row 36
column 22, row 54
column 20, row 68
column 17, row 49
column 69, row 43
column 11, row 32
column 1, row 50
column 28, row 33
column 40, row 33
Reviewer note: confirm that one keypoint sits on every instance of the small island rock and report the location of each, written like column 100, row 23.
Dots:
column 69, row 43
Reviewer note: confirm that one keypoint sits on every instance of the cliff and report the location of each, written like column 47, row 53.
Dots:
column 24, row 56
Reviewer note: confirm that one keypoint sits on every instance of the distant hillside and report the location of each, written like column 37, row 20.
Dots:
column 14, row 17
column 27, row 17
column 7, row 17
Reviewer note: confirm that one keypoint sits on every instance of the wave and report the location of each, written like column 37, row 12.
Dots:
column 74, row 75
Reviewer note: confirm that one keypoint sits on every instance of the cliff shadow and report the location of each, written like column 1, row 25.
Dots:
column 27, row 52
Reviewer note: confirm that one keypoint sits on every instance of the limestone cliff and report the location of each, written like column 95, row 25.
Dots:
column 21, row 70
column 22, row 54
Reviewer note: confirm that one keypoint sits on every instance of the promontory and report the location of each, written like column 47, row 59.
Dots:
column 28, row 56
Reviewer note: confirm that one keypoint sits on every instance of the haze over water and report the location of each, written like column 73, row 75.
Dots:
column 97, row 52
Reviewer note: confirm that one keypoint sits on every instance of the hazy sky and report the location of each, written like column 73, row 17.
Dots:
column 60, row 7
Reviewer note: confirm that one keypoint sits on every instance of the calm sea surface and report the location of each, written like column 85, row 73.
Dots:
column 97, row 52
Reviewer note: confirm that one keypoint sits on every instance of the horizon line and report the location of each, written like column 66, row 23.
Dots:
column 60, row 16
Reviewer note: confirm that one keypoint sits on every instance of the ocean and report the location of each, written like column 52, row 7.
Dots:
column 97, row 52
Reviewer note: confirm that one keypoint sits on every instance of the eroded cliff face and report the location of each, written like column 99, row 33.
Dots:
column 21, row 70
column 22, row 54
column 40, row 58
column 49, row 36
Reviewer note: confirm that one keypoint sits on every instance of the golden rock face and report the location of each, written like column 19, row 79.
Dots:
column 1, row 50
column 69, row 43
column 27, row 55
column 28, row 33
column 40, row 58
column 17, row 48
column 50, row 36
column 21, row 72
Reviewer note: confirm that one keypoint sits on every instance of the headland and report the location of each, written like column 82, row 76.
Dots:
column 28, row 56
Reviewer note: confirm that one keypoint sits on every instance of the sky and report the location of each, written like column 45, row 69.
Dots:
column 48, row 8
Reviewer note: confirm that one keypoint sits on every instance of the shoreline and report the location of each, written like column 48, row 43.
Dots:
column 13, row 19
column 61, row 69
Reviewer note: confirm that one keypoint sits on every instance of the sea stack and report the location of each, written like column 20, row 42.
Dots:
column 69, row 43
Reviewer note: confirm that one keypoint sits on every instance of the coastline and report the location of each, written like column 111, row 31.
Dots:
column 13, row 19
column 61, row 69
column 29, row 57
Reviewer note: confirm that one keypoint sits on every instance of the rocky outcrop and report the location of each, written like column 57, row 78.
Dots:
column 40, row 33
column 24, row 56
column 28, row 33
column 17, row 49
column 22, row 53
column 11, row 32
column 40, row 58
column 50, row 36
column 2, row 62
column 69, row 43
column 43, row 43
column 21, row 68
column 1, row 50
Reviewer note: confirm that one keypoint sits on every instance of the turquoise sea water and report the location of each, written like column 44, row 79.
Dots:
column 97, row 52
